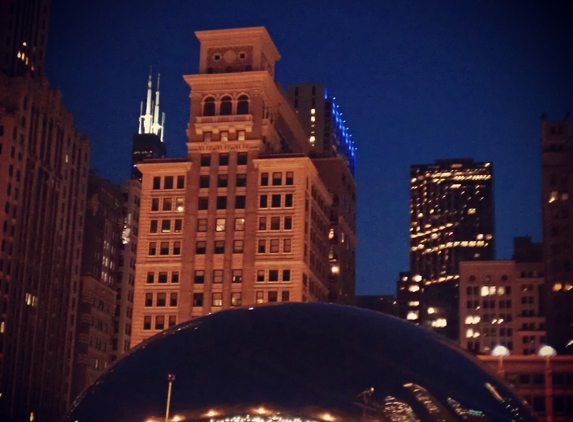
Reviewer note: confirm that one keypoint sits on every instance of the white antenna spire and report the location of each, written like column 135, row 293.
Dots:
column 140, row 129
column 149, row 121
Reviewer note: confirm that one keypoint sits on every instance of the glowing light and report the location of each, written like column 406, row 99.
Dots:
column 500, row 351
column 335, row 269
column 327, row 417
column 412, row 316
column 177, row 418
column 546, row 351
column 312, row 111
column 261, row 410
column 211, row 413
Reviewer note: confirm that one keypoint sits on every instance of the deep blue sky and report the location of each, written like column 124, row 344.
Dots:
column 416, row 80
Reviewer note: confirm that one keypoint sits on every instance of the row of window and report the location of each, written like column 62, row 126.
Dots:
column 164, row 248
column 168, row 204
column 277, row 178
column 161, row 299
column 222, row 180
column 488, row 304
column 166, row 226
column 224, row 136
column 226, row 106
column 274, row 245
column 169, row 182
column 276, row 200
column 162, row 277
column 217, row 299
column 159, row 321
column 221, row 223
column 242, row 158
column 218, row 276
column 221, row 203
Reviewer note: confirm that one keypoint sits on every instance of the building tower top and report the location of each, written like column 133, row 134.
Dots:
column 149, row 121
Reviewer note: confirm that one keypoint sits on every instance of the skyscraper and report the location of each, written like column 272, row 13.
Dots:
column 451, row 220
column 557, row 178
column 148, row 141
column 245, row 218
column 334, row 155
column 24, row 35
column 44, row 163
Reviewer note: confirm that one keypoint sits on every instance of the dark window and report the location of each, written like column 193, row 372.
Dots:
column 264, row 179
column 224, row 159
column 203, row 203
column 243, row 105
column 286, row 275
column 226, row 106
column 288, row 223
column 238, row 246
column 197, row 299
column 201, row 246
column 172, row 320
column 204, row 181
column 148, row 299
column 242, row 158
column 168, row 182
column 176, row 248
column 219, row 247
column 273, row 275
column 159, row 322
column 205, row 160
column 288, row 200
column 153, row 226
column 273, row 296
column 162, row 278
column 275, row 223
column 276, row 201
column 167, row 204
column 263, row 201
column 221, row 202
column 152, row 248
column 240, row 202
column 289, row 178
column 147, row 323
column 261, row 248
column 262, row 223
column 241, row 180
column 161, row 299
column 180, row 182
column 285, row 296
column 260, row 276
column 209, row 105
column 157, row 183
column 199, row 276
column 222, row 180
column 150, row 277
column 165, row 226
column 155, row 204
column 177, row 226
column 277, row 179
column 175, row 277
column 164, row 248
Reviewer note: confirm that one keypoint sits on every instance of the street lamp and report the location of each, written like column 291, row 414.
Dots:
column 500, row 351
column 548, row 352
column 170, row 379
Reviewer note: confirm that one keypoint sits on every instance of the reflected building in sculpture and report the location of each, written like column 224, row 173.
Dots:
column 299, row 362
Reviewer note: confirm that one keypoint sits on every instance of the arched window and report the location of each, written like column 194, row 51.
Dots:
column 209, row 106
column 226, row 106
column 243, row 105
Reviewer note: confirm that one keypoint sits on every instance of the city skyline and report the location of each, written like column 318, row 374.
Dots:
column 412, row 81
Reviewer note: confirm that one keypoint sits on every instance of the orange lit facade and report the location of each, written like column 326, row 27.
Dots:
column 245, row 218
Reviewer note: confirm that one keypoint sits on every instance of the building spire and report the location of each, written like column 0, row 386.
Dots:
column 149, row 121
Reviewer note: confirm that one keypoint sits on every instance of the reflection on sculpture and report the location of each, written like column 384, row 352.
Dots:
column 298, row 363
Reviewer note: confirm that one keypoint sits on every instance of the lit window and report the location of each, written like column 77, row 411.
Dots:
column 312, row 118
column 220, row 225
column 312, row 139
column 414, row 288
column 471, row 210
column 553, row 196
column 414, row 303
column 312, row 111
column 485, row 291
column 239, row 224
column 412, row 315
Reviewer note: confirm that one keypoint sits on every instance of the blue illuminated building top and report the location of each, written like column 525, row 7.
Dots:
column 340, row 139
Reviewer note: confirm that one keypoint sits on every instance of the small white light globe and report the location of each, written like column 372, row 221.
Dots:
column 546, row 351
column 500, row 351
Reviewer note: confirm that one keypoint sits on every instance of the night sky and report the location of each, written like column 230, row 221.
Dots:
column 415, row 82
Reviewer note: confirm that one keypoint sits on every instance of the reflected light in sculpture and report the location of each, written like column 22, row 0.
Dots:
column 298, row 362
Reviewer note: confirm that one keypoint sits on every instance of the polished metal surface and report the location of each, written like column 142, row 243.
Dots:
column 298, row 362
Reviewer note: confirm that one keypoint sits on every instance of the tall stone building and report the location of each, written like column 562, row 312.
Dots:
column 43, row 177
column 451, row 220
column 334, row 155
column 557, row 178
column 245, row 218
column 98, row 283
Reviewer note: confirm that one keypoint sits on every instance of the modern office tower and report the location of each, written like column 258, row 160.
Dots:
column 379, row 303
column 148, row 141
column 502, row 302
column 131, row 192
column 409, row 297
column 24, row 34
column 98, row 283
column 342, row 232
column 244, row 219
column 557, row 179
column 334, row 155
column 43, row 168
column 451, row 220
column 322, row 122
